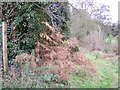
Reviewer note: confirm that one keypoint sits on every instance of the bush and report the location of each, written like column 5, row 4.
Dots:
column 94, row 41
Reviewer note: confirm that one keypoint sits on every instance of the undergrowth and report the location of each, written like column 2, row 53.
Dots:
column 31, row 79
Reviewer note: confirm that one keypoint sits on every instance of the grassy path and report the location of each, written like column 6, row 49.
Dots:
column 107, row 70
column 106, row 76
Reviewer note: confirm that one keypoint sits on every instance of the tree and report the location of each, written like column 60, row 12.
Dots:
column 101, row 13
column 26, row 18
column 98, row 11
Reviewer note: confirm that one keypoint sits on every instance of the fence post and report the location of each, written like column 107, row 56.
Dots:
column 4, row 45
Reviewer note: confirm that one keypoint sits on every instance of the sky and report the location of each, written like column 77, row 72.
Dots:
column 113, row 7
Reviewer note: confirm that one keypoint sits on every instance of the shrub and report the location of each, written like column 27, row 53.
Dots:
column 94, row 41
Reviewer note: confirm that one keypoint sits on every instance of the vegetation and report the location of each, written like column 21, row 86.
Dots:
column 52, row 47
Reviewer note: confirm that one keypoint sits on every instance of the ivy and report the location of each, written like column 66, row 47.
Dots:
column 26, row 19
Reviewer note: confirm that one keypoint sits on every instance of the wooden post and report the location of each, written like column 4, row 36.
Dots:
column 4, row 44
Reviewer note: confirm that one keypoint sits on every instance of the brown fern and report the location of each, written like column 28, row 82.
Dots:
column 49, row 26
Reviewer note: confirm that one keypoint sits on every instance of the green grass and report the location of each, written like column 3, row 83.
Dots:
column 111, row 40
column 105, row 76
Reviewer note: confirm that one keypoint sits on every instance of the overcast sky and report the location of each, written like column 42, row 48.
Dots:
column 113, row 7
